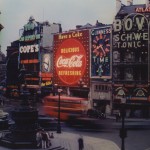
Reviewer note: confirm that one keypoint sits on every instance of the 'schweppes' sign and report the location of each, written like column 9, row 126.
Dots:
column 130, row 32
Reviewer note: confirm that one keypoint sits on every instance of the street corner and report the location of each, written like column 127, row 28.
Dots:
column 100, row 144
column 90, row 143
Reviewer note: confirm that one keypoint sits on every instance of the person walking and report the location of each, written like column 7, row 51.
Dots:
column 81, row 143
column 39, row 138
column 118, row 116
column 52, row 136
column 44, row 139
column 48, row 142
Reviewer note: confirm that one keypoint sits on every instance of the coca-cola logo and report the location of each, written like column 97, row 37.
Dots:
column 74, row 61
column 70, row 61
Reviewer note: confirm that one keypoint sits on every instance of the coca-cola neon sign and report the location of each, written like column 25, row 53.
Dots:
column 74, row 61
column 70, row 61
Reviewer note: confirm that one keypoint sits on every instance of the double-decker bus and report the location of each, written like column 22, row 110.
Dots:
column 68, row 106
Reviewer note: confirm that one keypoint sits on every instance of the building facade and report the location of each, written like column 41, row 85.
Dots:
column 130, row 58
column 2, row 66
column 35, row 53
column 12, row 67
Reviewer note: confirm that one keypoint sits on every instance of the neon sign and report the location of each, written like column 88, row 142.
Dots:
column 142, row 10
column 70, row 61
column 29, row 48
column 130, row 32
column 100, row 52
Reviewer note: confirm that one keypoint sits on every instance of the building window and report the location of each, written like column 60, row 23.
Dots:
column 116, row 74
column 129, row 57
column 116, row 56
column 99, row 88
column 129, row 74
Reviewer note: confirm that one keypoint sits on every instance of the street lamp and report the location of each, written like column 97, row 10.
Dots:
column 58, row 124
column 123, row 131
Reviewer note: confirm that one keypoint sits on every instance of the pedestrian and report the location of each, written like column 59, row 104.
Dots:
column 118, row 116
column 39, row 138
column 81, row 143
column 48, row 142
column 44, row 139
column 52, row 136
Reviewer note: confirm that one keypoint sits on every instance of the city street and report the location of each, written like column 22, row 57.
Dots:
column 137, row 135
column 136, row 139
column 75, row 81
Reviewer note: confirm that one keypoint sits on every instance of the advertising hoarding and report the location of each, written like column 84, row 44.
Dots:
column 46, row 70
column 100, row 52
column 29, row 53
column 71, row 58
column 130, row 45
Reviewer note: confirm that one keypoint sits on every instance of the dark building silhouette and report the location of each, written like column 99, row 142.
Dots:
column 12, row 67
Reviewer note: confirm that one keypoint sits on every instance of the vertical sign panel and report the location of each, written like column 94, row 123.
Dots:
column 71, row 58
column 100, row 52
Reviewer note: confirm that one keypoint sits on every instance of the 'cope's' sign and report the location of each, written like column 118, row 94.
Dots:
column 29, row 48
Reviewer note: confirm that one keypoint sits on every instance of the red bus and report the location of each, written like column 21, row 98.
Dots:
column 68, row 106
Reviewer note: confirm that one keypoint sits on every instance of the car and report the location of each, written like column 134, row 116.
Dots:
column 95, row 113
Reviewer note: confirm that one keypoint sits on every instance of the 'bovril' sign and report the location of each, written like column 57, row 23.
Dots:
column 130, row 31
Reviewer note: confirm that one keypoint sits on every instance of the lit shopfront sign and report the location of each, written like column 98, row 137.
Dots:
column 46, row 83
column 71, row 58
column 100, row 52
column 140, row 92
column 29, row 48
column 120, row 91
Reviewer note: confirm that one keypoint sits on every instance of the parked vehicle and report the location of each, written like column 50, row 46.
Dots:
column 96, row 114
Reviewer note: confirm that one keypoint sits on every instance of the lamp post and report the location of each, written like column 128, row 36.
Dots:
column 123, row 131
column 58, row 125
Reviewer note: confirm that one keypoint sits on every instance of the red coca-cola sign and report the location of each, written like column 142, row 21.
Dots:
column 70, row 61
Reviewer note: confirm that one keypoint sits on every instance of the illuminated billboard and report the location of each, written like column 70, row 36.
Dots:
column 46, row 63
column 71, row 58
column 46, row 70
column 100, row 52
column 130, row 46
column 29, row 54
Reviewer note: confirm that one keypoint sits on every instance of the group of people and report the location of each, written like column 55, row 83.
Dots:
column 43, row 139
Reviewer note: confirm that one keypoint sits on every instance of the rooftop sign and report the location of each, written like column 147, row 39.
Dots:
column 142, row 10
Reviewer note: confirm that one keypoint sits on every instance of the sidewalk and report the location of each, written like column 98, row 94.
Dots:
column 70, row 142
column 131, row 119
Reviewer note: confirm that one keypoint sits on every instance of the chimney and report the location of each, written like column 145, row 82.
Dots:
column 118, row 5
column 129, row 2
column 147, row 3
